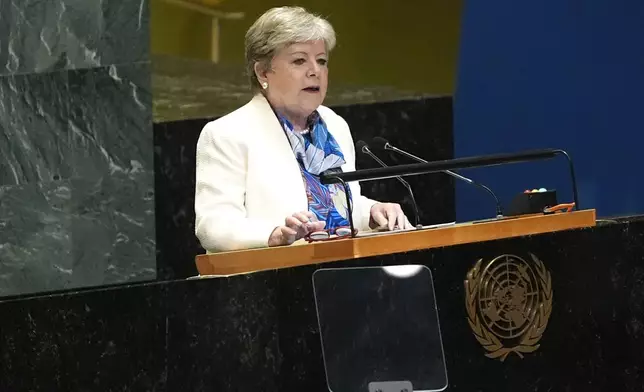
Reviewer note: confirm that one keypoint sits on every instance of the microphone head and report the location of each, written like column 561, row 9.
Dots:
column 362, row 146
column 379, row 143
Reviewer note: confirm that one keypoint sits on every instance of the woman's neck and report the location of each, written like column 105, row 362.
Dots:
column 299, row 121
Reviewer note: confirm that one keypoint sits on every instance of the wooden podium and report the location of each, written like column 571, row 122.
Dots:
column 237, row 262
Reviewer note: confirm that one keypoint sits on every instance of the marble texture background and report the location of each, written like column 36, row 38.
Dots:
column 196, row 89
column 76, row 154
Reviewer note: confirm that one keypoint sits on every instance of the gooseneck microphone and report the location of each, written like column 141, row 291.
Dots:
column 364, row 148
column 383, row 144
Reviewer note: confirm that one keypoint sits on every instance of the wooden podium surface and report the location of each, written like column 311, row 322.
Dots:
column 244, row 261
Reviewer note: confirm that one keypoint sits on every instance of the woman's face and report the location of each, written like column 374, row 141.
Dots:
column 297, row 80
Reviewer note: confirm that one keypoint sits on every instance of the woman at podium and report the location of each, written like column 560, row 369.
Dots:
column 258, row 167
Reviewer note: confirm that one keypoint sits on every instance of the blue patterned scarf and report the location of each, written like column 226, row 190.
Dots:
column 317, row 152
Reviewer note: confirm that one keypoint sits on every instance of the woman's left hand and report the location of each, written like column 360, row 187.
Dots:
column 388, row 215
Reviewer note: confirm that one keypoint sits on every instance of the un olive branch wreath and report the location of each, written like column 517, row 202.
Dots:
column 531, row 337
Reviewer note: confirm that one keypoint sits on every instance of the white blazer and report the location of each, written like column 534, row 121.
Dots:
column 248, row 180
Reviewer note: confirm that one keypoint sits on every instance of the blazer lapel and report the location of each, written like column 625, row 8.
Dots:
column 280, row 158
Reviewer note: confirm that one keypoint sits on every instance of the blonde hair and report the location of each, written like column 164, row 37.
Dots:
column 278, row 28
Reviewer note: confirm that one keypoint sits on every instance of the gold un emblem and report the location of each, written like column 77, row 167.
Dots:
column 508, row 302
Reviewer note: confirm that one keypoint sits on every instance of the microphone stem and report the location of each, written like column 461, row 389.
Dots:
column 499, row 211
column 402, row 181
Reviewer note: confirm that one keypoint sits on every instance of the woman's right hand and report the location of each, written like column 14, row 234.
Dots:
column 295, row 227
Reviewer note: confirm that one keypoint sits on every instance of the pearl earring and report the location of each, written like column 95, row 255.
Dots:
column 264, row 85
